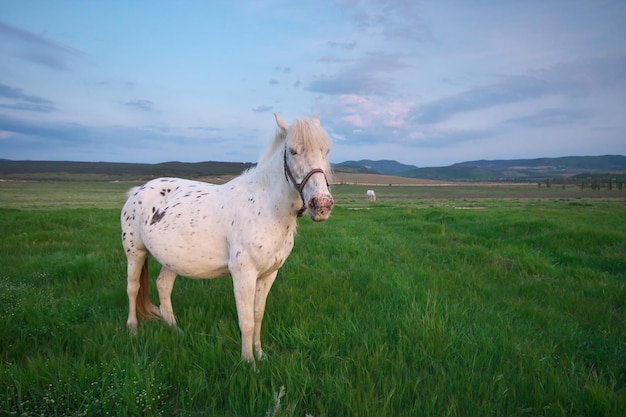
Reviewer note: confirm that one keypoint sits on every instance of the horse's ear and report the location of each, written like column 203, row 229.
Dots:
column 316, row 120
column 282, row 124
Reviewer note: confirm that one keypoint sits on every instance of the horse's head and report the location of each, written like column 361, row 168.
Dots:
column 306, row 164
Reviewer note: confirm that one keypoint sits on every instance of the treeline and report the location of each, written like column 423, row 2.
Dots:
column 595, row 182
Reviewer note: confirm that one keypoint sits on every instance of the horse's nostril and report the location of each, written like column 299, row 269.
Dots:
column 323, row 203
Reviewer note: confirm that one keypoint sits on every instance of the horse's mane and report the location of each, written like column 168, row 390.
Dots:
column 305, row 132
column 279, row 139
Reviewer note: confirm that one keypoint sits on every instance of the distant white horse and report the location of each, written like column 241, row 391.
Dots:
column 245, row 227
column 371, row 195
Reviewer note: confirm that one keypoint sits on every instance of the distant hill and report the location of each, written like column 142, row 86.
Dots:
column 386, row 167
column 43, row 170
column 568, row 163
column 497, row 170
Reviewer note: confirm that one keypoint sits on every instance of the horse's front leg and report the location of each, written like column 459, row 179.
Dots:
column 244, row 285
column 263, row 286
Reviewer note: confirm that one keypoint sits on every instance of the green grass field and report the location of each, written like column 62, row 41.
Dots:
column 449, row 305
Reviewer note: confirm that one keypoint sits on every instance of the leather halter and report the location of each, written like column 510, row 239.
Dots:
column 300, row 185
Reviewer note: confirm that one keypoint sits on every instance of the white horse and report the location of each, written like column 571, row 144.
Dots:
column 371, row 195
column 245, row 227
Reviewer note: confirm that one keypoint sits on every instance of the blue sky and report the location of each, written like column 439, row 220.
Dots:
column 424, row 83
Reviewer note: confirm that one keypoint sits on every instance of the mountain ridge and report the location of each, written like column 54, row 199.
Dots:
column 505, row 170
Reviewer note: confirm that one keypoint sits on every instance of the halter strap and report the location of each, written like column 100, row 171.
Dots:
column 300, row 185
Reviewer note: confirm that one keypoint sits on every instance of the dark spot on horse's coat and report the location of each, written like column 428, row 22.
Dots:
column 140, row 202
column 259, row 213
column 232, row 223
column 153, row 209
column 162, row 193
column 157, row 217
column 128, row 250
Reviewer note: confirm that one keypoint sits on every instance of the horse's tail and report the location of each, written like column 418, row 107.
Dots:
column 145, row 308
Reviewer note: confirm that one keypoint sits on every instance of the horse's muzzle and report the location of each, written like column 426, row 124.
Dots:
column 319, row 207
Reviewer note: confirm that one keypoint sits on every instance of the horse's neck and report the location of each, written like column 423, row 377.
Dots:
column 276, row 191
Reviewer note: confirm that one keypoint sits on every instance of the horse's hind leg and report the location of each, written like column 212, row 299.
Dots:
column 134, row 269
column 165, row 283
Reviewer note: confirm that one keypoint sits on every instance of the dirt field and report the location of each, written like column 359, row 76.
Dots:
column 376, row 179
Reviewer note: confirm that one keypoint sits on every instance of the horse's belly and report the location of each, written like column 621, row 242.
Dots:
column 191, row 263
column 193, row 254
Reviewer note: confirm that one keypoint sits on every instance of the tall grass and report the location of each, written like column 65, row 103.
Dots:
column 408, row 307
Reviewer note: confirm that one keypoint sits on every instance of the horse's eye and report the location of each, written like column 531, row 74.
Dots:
column 293, row 151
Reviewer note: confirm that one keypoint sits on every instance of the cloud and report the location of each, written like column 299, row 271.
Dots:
column 336, row 59
column 370, row 120
column 262, row 108
column 20, row 100
column 548, row 117
column 143, row 105
column 273, row 82
column 283, row 69
column 394, row 19
column 510, row 89
column 34, row 48
column 352, row 83
column 37, row 139
column 567, row 80
column 128, row 85
column 370, row 75
column 205, row 128
column 342, row 45
column 46, row 134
